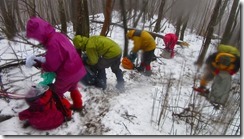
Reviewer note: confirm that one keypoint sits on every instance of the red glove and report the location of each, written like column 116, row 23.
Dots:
column 216, row 72
column 232, row 72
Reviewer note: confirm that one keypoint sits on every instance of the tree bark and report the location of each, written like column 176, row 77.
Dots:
column 82, row 26
column 123, row 12
column 227, row 33
column 160, row 16
column 62, row 17
column 108, row 10
column 10, row 29
column 209, row 33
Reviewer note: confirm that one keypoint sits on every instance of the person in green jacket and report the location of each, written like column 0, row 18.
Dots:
column 101, row 53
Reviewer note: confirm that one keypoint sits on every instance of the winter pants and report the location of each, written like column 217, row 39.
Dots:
column 147, row 58
column 76, row 98
column 114, row 64
column 75, row 94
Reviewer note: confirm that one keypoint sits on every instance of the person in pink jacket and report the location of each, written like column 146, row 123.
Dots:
column 61, row 58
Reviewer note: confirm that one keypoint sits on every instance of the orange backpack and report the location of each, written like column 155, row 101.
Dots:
column 127, row 64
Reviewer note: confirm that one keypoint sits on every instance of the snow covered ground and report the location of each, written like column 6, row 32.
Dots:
column 135, row 111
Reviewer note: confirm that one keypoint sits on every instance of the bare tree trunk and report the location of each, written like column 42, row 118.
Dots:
column 31, row 7
column 52, row 18
column 227, row 33
column 209, row 33
column 108, row 10
column 17, row 11
column 135, row 12
column 160, row 16
column 74, row 13
column 178, row 26
column 203, row 21
column 68, row 10
column 82, row 26
column 123, row 13
column 145, row 2
column 6, row 8
column 182, row 32
column 62, row 17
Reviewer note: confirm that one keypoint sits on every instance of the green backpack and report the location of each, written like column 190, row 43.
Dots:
column 228, row 49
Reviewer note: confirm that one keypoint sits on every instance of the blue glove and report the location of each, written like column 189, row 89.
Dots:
column 132, row 56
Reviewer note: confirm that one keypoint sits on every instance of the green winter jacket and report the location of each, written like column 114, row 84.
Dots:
column 97, row 47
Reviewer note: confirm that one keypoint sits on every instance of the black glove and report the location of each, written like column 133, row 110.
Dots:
column 38, row 64
column 84, row 58
column 51, row 87
column 132, row 56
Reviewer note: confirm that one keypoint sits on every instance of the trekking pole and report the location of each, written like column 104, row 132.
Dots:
column 11, row 95
column 2, row 88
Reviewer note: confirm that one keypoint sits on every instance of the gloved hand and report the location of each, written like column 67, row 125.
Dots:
column 132, row 56
column 216, row 71
column 32, row 60
column 84, row 58
column 38, row 64
column 232, row 72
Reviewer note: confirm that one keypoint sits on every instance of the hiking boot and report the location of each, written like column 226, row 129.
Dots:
column 154, row 58
column 68, row 118
column 75, row 108
column 203, row 91
column 140, row 69
column 147, row 73
column 26, row 124
column 101, row 84
column 120, row 86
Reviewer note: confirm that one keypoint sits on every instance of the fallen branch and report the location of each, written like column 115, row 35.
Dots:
column 179, row 42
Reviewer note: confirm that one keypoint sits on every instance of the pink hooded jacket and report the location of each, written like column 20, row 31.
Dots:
column 170, row 41
column 61, row 56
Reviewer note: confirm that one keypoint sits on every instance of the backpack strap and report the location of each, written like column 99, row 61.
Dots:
column 59, row 103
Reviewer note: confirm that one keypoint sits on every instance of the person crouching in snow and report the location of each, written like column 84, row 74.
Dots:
column 144, row 41
column 102, row 53
column 61, row 58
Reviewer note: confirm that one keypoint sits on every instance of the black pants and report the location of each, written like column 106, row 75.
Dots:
column 114, row 64
column 147, row 58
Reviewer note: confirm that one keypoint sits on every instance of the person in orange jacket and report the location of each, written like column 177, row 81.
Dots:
column 144, row 41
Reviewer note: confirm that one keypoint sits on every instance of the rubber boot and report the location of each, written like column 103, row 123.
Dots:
column 77, row 99
column 101, row 79
column 120, row 80
column 66, row 108
column 148, row 71
column 141, row 68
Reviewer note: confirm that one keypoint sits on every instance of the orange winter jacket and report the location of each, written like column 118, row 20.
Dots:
column 224, row 62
